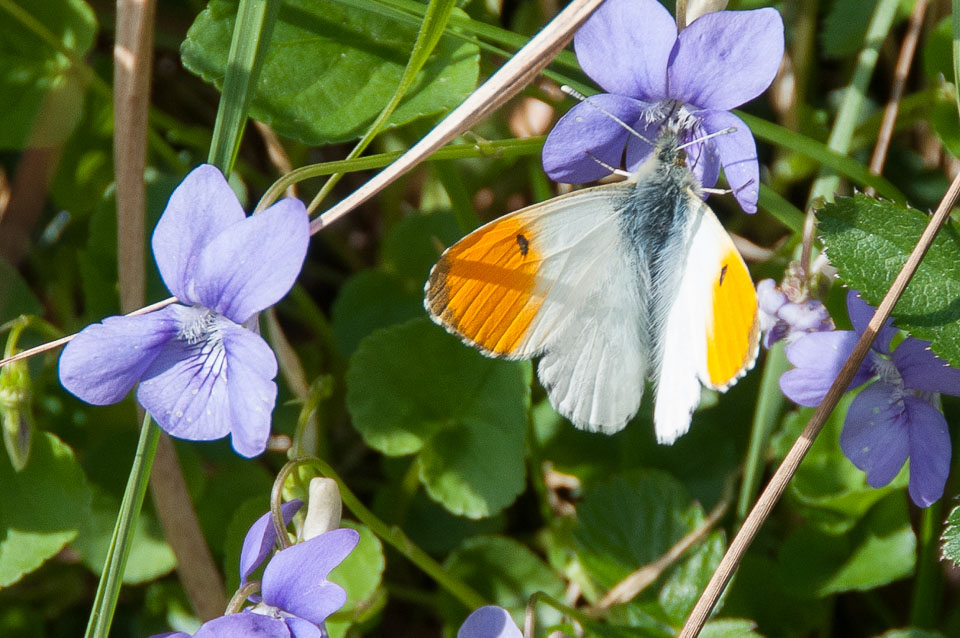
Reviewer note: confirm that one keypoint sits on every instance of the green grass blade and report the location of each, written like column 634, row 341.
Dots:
column 251, row 37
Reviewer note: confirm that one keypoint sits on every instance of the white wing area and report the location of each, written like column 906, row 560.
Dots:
column 590, row 324
column 682, row 358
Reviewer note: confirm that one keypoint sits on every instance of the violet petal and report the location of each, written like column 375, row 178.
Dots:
column 185, row 388
column 929, row 451
column 489, row 622
column 251, row 367
column 640, row 149
column 251, row 265
column 300, row 628
column 922, row 370
column 769, row 297
column 105, row 360
column 586, row 131
column 725, row 59
column 625, row 45
column 295, row 578
column 738, row 155
column 200, row 208
column 876, row 433
column 261, row 537
column 818, row 358
column 860, row 313
column 246, row 624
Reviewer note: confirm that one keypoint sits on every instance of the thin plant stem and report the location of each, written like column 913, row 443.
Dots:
column 50, row 345
column 111, row 579
column 900, row 73
column 769, row 404
column 434, row 22
column 395, row 537
column 775, row 488
column 928, row 583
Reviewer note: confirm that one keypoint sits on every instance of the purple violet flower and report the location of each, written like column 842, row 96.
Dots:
column 296, row 596
column 653, row 75
column 781, row 318
column 204, row 372
column 261, row 538
column 897, row 416
column 489, row 621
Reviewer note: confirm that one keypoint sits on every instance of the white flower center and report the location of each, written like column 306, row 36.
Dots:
column 200, row 326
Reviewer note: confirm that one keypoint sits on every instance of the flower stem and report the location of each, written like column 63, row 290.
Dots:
column 120, row 544
column 395, row 537
column 769, row 405
column 927, row 586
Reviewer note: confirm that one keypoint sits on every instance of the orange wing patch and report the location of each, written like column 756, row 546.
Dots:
column 482, row 286
column 734, row 335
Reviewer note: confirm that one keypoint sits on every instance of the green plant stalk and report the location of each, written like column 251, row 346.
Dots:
column 111, row 579
column 499, row 149
column 251, row 37
column 769, row 405
column 395, row 537
column 434, row 22
column 843, row 127
column 925, row 606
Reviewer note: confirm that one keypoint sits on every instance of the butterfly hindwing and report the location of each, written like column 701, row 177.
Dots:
column 711, row 335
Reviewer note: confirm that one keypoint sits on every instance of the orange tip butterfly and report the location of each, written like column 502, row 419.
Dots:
column 609, row 285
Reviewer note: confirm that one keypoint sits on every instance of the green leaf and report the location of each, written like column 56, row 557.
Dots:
column 331, row 69
column 370, row 300
column 730, row 628
column 631, row 521
column 414, row 244
column 943, row 117
column 937, row 51
column 879, row 550
column 248, row 48
column 245, row 515
column 506, row 573
column 911, row 633
column 150, row 556
column 43, row 507
column 830, row 492
column 359, row 574
column 415, row 389
column 15, row 296
column 951, row 536
column 684, row 585
column 41, row 92
column 869, row 240
column 236, row 480
column 759, row 592
column 845, row 27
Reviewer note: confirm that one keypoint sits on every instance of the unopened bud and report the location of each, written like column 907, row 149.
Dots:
column 16, row 414
column 696, row 8
column 323, row 508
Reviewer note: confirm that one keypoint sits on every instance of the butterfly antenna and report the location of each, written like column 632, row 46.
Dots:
column 726, row 131
column 612, row 169
column 572, row 92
